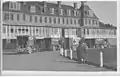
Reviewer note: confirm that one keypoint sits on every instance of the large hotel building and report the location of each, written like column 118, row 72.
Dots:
column 49, row 22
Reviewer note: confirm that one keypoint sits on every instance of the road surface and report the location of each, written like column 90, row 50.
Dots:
column 44, row 61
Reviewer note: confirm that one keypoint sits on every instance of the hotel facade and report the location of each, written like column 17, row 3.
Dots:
column 49, row 22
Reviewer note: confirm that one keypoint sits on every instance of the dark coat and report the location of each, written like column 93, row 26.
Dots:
column 81, row 52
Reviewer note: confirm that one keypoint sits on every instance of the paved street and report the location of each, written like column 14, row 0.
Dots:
column 44, row 61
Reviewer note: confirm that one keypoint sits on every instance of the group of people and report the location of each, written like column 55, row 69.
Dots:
column 81, row 50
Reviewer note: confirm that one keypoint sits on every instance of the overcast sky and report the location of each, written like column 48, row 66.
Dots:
column 106, row 11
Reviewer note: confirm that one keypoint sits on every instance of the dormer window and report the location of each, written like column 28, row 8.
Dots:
column 78, row 13
column 14, row 6
column 69, row 12
column 75, row 13
column 42, row 10
column 86, row 13
column 72, row 13
column 65, row 12
column 90, row 13
column 61, row 11
column 32, row 9
column 51, row 10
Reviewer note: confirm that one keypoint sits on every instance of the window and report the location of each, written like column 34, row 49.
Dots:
column 88, row 31
column 72, row 13
column 40, row 19
column 23, row 30
column 35, row 18
column 89, row 21
column 114, row 32
column 50, row 20
column 45, row 20
column 18, row 17
column 93, row 22
column 11, row 16
column 32, row 9
column 71, row 21
column 55, row 20
column 24, row 18
column 96, row 22
column 42, row 10
column 6, row 16
column 90, row 13
column 67, row 21
column 36, row 30
column 61, row 11
column 26, row 30
column 51, row 10
column 14, row 6
column 84, row 31
column 79, row 21
column 75, row 13
column 75, row 21
column 33, row 30
column 12, row 30
column 68, row 12
column 30, row 18
column 65, row 12
column 63, row 21
column 58, row 20
column 19, row 30
column 85, row 21
column 4, row 29
column 85, row 12
column 55, row 31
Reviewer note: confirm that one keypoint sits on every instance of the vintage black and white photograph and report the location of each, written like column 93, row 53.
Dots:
column 59, row 36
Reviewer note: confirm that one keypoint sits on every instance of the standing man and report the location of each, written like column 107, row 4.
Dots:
column 81, row 51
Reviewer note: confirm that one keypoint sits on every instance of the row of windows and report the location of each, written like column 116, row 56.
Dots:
column 14, row 6
column 99, row 31
column 37, row 30
column 41, row 19
column 91, row 22
column 43, row 31
column 66, row 12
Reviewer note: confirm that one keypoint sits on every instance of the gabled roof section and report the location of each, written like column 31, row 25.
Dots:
column 87, row 8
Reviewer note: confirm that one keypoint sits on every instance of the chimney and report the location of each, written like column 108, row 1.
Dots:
column 44, row 3
column 75, row 5
column 59, row 4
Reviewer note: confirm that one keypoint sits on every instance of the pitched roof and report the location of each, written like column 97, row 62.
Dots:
column 26, row 6
column 86, row 8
